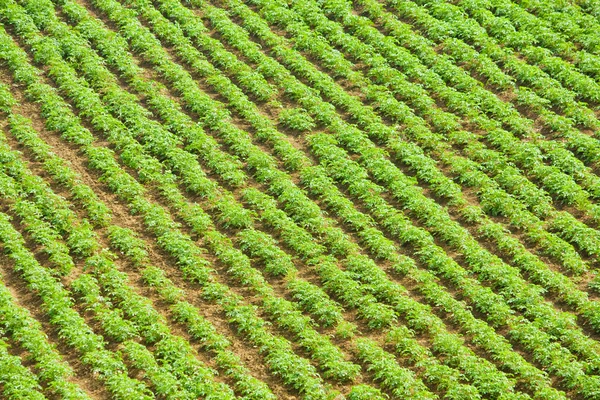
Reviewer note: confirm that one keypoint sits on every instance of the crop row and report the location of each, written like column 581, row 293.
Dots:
column 468, row 171
column 294, row 207
column 144, row 324
column 278, row 351
column 348, row 129
column 307, row 247
column 247, row 236
column 254, row 243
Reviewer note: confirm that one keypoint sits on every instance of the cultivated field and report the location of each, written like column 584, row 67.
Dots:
column 303, row 199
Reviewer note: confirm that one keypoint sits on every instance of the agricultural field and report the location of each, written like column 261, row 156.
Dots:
column 303, row 199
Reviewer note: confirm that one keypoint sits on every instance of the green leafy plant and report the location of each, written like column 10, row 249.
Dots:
column 296, row 119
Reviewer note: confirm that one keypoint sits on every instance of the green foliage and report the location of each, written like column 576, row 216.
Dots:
column 296, row 119
column 366, row 161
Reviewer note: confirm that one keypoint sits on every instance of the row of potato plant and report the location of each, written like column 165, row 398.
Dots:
column 534, row 77
column 417, row 316
column 174, row 114
column 293, row 282
column 326, row 355
column 524, row 31
column 114, row 326
column 17, row 381
column 17, row 191
column 507, row 175
column 278, row 352
column 579, row 143
column 442, row 186
column 124, row 242
column 453, row 76
column 71, row 326
column 342, row 169
column 577, row 25
column 28, row 333
column 551, row 178
column 354, row 136
column 560, row 158
column 539, row 271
